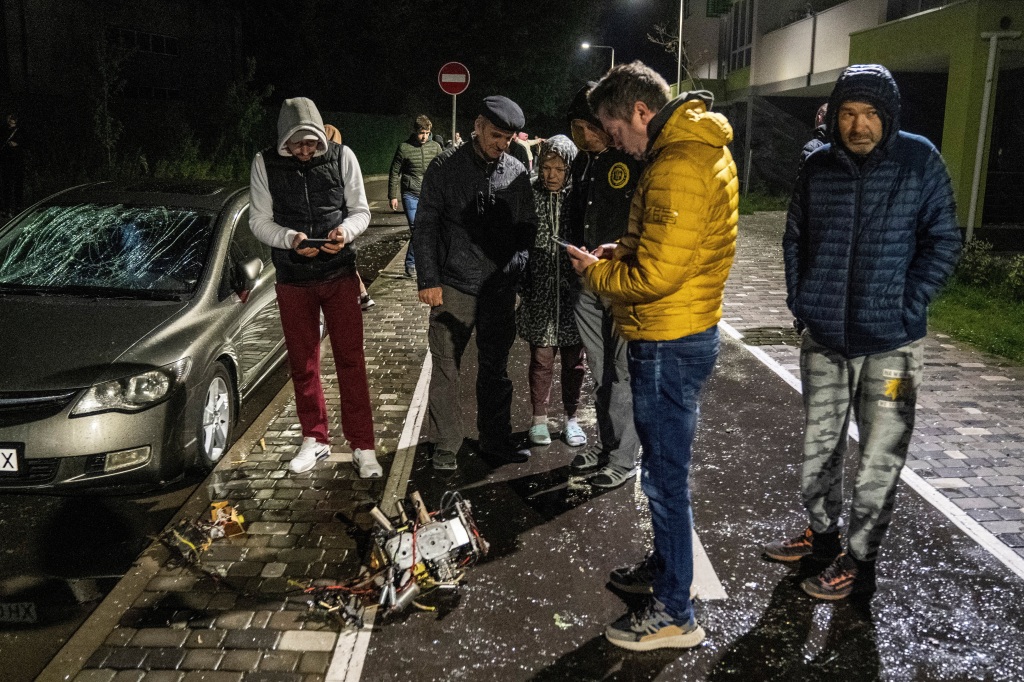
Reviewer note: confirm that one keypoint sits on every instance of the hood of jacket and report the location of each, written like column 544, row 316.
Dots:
column 580, row 109
column 871, row 83
column 687, row 119
column 565, row 148
column 299, row 113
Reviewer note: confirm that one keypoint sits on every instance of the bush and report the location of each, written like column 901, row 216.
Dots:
column 758, row 201
column 978, row 267
column 1015, row 278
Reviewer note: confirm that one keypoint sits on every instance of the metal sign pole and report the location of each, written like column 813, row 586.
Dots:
column 453, row 117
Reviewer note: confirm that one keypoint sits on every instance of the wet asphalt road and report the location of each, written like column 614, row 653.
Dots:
column 536, row 607
column 60, row 555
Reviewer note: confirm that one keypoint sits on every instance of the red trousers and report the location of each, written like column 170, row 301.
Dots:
column 300, row 307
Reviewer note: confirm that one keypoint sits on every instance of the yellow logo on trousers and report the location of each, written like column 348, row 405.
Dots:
column 895, row 388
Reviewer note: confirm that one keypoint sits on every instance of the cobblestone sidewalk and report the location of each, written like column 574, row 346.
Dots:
column 969, row 438
column 250, row 626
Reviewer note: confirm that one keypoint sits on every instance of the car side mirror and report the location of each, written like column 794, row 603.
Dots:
column 245, row 275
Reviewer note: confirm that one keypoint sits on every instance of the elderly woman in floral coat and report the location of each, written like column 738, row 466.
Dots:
column 545, row 318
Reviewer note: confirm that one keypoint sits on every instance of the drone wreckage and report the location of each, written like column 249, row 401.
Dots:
column 411, row 555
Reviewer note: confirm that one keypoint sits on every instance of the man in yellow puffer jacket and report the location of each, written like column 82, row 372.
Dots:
column 665, row 279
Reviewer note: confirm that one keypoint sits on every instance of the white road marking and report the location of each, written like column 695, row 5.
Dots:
column 352, row 645
column 974, row 530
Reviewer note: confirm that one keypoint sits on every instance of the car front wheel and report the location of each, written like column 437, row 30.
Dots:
column 216, row 419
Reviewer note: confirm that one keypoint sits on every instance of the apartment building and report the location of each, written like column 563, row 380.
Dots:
column 772, row 62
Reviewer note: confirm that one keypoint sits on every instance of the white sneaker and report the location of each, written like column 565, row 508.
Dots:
column 310, row 453
column 365, row 462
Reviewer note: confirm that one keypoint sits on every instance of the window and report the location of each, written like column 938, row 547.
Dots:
column 741, row 35
column 152, row 43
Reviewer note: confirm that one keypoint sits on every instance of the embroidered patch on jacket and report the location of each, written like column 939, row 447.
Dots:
column 618, row 175
column 664, row 216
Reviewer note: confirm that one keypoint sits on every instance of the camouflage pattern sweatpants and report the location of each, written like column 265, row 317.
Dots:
column 881, row 391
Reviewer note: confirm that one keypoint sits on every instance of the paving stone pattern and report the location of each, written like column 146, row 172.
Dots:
column 190, row 628
column 186, row 627
column 968, row 440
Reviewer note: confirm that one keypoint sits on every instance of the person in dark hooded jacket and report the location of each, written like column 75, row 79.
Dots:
column 871, row 237
column 820, row 134
column 546, row 318
column 602, row 185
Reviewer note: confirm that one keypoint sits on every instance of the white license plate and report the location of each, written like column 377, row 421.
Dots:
column 9, row 460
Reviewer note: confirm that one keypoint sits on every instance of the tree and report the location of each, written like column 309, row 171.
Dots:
column 107, row 128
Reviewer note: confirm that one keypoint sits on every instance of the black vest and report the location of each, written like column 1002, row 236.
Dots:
column 309, row 197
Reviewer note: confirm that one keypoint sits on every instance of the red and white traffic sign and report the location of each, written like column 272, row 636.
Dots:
column 453, row 78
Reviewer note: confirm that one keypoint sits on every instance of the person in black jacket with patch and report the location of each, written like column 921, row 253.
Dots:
column 474, row 226
column 871, row 237
column 603, row 181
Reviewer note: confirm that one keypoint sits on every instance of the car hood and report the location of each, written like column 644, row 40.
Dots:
column 54, row 343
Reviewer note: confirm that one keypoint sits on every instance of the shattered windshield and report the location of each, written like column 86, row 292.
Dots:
column 106, row 249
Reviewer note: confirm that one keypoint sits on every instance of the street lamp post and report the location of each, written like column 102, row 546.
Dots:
column 679, row 51
column 587, row 46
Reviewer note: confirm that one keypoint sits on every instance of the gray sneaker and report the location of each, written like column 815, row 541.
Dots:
column 611, row 476
column 653, row 628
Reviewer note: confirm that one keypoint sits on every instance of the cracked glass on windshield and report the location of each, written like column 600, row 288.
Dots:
column 97, row 249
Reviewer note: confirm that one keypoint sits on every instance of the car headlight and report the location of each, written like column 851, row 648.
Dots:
column 133, row 393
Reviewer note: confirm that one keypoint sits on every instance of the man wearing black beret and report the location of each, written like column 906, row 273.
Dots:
column 474, row 225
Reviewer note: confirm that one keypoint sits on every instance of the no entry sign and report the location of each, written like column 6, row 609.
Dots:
column 453, row 78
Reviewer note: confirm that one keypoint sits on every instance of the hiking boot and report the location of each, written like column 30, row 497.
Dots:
column 611, row 476
column 793, row 549
column 653, row 628
column 444, row 460
column 636, row 578
column 365, row 302
column 588, row 459
column 309, row 454
column 844, row 577
column 539, row 434
column 365, row 462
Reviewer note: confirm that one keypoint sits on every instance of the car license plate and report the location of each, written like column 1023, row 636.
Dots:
column 18, row 612
column 12, row 459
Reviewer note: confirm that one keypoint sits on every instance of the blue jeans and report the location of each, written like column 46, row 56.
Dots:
column 410, row 202
column 666, row 378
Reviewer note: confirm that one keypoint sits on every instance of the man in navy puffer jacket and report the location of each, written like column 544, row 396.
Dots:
column 871, row 237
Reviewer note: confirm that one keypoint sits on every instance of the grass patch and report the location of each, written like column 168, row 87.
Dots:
column 982, row 318
column 756, row 201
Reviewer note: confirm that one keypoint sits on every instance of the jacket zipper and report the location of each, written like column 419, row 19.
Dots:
column 849, row 261
column 558, row 272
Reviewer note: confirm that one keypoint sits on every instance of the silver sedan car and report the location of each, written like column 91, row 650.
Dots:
column 134, row 321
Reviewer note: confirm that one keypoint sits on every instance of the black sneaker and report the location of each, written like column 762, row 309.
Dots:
column 844, row 577
column 444, row 460
column 636, row 578
column 793, row 549
column 506, row 451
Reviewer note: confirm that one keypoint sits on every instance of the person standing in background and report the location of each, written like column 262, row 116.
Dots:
column 406, row 177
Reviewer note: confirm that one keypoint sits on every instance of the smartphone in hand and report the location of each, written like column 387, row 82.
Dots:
column 314, row 243
column 559, row 241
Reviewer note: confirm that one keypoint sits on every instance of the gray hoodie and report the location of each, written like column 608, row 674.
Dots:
column 299, row 113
